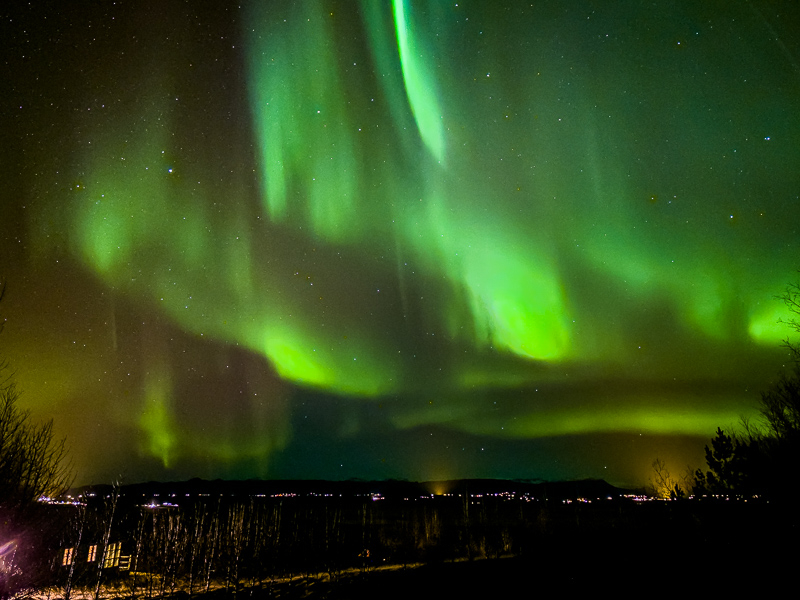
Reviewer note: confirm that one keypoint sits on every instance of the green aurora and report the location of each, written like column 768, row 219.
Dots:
column 277, row 239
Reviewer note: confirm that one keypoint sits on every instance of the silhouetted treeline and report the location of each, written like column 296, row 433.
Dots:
column 207, row 543
column 121, row 539
column 113, row 546
column 761, row 459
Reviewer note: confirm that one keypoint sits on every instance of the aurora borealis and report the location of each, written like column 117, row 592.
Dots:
column 409, row 239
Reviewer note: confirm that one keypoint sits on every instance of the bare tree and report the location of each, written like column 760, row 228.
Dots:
column 80, row 523
column 791, row 298
column 110, row 511
column 32, row 460
column 665, row 485
column 32, row 465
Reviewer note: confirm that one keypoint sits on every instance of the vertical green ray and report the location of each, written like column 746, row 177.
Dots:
column 156, row 421
column 419, row 81
column 307, row 152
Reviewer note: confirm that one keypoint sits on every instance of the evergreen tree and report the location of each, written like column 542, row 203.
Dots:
column 762, row 460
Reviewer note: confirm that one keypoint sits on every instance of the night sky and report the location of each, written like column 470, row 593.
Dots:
column 419, row 239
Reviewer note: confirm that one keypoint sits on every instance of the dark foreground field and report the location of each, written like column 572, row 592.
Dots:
column 657, row 549
column 643, row 570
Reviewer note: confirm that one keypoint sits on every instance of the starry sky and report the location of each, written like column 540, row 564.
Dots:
column 401, row 239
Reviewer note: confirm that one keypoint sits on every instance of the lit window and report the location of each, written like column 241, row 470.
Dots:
column 111, row 557
column 92, row 553
column 68, row 553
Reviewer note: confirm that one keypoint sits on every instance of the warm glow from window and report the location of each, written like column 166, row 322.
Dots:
column 111, row 557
